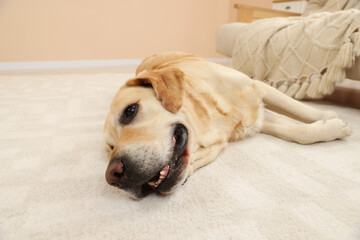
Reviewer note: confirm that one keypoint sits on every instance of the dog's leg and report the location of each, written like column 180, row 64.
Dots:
column 303, row 133
column 206, row 155
column 283, row 104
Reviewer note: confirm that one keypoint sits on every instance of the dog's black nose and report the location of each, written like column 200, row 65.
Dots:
column 115, row 172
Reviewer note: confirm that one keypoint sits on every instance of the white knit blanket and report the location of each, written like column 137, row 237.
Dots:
column 315, row 6
column 301, row 56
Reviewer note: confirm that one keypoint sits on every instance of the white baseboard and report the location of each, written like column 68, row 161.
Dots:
column 13, row 66
column 10, row 66
column 219, row 60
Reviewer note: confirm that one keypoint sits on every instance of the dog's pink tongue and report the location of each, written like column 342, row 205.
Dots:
column 173, row 141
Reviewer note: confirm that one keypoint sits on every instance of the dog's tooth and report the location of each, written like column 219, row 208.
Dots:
column 162, row 176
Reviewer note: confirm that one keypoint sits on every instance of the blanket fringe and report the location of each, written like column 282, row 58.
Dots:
column 320, row 85
column 346, row 54
column 283, row 88
column 313, row 90
column 355, row 38
column 321, row 66
column 302, row 91
column 293, row 89
column 327, row 83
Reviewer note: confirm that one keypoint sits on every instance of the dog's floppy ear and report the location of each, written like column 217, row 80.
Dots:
column 167, row 83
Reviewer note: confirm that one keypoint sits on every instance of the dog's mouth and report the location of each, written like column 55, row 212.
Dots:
column 169, row 175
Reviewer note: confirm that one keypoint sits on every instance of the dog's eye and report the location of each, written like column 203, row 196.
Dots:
column 129, row 113
column 109, row 147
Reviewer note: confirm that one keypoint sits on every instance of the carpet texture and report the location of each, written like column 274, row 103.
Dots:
column 52, row 183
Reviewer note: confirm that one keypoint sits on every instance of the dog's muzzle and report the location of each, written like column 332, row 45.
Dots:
column 122, row 172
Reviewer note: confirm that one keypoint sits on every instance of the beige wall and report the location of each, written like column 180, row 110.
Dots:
column 52, row 30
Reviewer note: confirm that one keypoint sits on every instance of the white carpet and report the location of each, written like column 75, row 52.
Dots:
column 52, row 184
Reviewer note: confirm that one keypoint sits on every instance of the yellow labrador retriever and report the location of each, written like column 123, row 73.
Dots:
column 179, row 113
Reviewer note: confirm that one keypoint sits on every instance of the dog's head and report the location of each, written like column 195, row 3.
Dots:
column 146, row 135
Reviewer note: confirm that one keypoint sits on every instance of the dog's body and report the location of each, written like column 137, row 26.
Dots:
column 179, row 113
